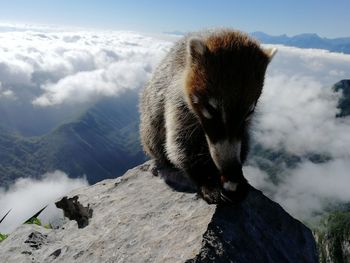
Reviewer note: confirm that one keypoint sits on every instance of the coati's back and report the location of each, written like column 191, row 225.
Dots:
column 166, row 78
column 152, row 106
column 196, row 109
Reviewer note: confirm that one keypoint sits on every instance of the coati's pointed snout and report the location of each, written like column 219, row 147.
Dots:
column 232, row 177
column 234, row 188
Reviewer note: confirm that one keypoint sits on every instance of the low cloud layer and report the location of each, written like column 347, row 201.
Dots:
column 298, row 106
column 75, row 66
column 296, row 115
column 307, row 190
column 27, row 196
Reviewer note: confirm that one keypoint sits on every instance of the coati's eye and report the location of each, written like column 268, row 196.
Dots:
column 208, row 107
column 213, row 103
column 211, row 108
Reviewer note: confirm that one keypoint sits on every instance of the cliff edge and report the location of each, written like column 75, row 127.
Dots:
column 140, row 218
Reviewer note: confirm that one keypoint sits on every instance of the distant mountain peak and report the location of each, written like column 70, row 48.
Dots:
column 306, row 40
column 306, row 35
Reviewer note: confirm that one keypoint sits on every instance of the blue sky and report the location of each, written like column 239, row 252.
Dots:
column 326, row 18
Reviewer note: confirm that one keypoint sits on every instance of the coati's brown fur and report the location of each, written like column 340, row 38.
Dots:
column 196, row 109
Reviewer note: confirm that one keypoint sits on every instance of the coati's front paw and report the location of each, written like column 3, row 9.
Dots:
column 234, row 192
column 210, row 195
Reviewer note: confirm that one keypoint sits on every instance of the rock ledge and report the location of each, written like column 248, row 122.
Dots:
column 139, row 218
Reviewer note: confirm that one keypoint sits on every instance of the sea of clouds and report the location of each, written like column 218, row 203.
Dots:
column 296, row 112
column 75, row 66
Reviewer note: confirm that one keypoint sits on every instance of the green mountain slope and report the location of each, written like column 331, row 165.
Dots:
column 333, row 237
column 101, row 143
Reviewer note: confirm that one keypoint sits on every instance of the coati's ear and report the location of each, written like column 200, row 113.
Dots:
column 196, row 48
column 270, row 52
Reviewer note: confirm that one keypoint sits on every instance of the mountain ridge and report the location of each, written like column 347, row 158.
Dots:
column 306, row 40
column 303, row 40
column 101, row 143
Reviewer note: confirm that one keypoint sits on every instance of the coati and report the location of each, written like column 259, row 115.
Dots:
column 196, row 109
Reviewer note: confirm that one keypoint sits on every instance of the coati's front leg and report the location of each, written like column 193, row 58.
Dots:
column 187, row 150
column 206, row 176
column 198, row 166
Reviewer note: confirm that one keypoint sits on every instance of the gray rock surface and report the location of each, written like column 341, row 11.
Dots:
column 140, row 218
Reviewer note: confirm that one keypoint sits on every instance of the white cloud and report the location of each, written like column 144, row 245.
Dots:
column 309, row 188
column 110, row 81
column 298, row 106
column 326, row 66
column 296, row 114
column 27, row 196
column 76, row 66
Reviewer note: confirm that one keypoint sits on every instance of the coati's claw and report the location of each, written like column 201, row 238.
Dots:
column 224, row 198
column 240, row 193
column 155, row 171
column 210, row 195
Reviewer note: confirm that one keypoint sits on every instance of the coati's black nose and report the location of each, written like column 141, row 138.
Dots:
column 232, row 173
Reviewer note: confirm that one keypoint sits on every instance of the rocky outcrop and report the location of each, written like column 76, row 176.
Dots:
column 343, row 86
column 140, row 218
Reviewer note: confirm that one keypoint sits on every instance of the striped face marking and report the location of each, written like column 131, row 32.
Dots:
column 206, row 113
